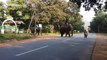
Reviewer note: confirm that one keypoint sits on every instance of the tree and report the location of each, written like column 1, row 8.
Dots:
column 18, row 9
column 56, row 12
column 2, row 11
column 47, row 12
column 99, row 23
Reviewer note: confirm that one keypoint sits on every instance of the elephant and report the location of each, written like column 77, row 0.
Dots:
column 36, row 30
column 66, row 29
column 32, row 30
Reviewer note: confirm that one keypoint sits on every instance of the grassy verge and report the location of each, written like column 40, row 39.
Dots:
column 5, row 37
column 10, row 37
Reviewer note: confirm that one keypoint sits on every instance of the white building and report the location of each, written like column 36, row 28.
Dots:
column 65, row 0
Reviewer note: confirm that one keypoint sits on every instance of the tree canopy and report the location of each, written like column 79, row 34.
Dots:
column 99, row 23
column 2, row 10
column 95, row 4
column 49, row 12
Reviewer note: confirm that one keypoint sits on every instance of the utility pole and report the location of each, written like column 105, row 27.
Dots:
column 30, row 23
column 33, row 7
column 98, row 29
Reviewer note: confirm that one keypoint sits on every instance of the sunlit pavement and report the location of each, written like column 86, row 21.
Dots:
column 58, row 48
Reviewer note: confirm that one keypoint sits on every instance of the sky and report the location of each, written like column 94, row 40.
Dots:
column 87, row 15
column 4, row 1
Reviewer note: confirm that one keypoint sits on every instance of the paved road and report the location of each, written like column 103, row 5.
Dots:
column 62, row 48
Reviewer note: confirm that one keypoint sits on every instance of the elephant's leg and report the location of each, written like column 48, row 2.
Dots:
column 38, row 33
column 66, row 34
column 62, row 33
column 69, row 34
column 32, row 31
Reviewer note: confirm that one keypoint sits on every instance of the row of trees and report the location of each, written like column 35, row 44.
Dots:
column 50, row 13
column 99, row 23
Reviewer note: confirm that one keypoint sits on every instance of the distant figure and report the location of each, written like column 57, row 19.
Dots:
column 85, row 33
column 39, row 29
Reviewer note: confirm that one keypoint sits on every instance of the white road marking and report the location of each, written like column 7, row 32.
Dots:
column 31, row 50
column 19, row 46
column 66, row 40
column 72, row 45
column 76, row 43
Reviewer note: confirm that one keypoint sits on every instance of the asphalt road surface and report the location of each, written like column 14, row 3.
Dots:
column 61, row 48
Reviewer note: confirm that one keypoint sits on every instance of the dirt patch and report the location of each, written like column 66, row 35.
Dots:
column 100, row 49
column 101, row 35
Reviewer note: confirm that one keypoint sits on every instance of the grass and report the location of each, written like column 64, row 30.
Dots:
column 10, row 36
column 4, row 37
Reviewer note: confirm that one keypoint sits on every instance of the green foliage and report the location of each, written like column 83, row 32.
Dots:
column 51, row 12
column 2, row 8
column 75, row 20
column 99, row 23
column 48, row 29
column 18, row 9
column 54, row 12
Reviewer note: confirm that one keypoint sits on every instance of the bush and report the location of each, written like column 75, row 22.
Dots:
column 48, row 29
